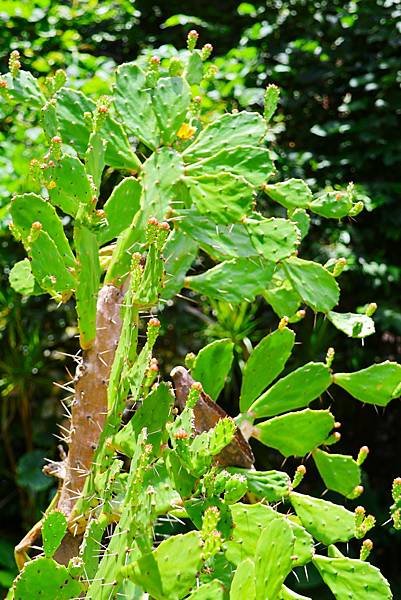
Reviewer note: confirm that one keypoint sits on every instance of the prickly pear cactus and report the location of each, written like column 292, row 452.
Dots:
column 158, row 492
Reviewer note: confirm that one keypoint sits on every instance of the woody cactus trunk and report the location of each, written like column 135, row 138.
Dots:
column 188, row 186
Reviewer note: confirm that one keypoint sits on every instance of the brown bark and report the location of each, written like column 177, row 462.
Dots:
column 237, row 453
column 89, row 407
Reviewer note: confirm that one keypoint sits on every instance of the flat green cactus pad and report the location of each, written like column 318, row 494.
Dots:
column 352, row 578
column 44, row 579
column 327, row 522
column 53, row 531
column 296, row 433
column 296, row 390
column 378, row 384
column 316, row 286
column 340, row 473
column 265, row 363
column 212, row 365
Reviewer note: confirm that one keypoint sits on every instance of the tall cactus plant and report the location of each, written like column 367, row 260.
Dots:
column 186, row 183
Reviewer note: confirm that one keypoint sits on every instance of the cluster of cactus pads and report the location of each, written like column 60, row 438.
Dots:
column 186, row 184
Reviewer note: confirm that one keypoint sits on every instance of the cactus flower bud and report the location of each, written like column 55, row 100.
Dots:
column 176, row 67
column 3, row 83
column 299, row 475
column 194, row 394
column 339, row 266
column 37, row 225
column 192, row 39
column 396, row 489
column 366, row 549
column 283, row 323
column 330, row 357
column 356, row 209
column 206, row 51
column 362, row 454
column 190, row 360
column 370, row 309
column 14, row 63
column 356, row 492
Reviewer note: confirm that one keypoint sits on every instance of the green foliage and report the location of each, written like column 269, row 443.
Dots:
column 265, row 363
column 177, row 458
column 44, row 578
column 53, row 531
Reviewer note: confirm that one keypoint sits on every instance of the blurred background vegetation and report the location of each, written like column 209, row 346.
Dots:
column 339, row 67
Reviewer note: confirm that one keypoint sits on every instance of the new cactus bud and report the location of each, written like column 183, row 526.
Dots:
column 206, row 51
column 153, row 330
column 211, row 73
column 362, row 522
column 357, row 491
column 14, row 63
column 330, row 357
column 194, row 394
column 283, row 323
column 212, row 539
column 299, row 475
column 371, row 309
column 190, row 360
column 362, row 455
column 192, row 38
column 176, row 67
column 339, row 266
column 3, row 83
column 235, row 488
column 396, row 489
column 272, row 96
column 366, row 549
column 356, row 209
